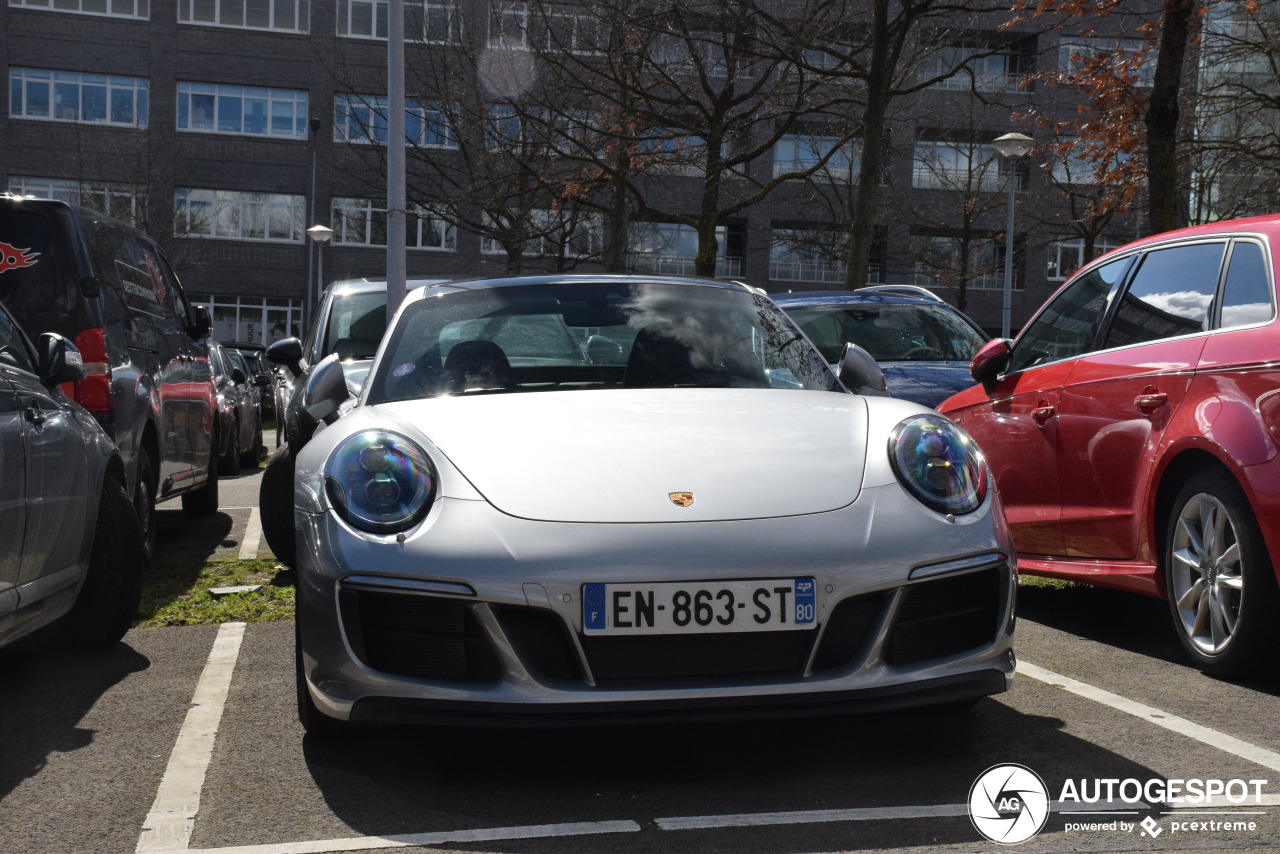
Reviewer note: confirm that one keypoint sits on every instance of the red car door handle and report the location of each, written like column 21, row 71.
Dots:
column 1043, row 412
column 1150, row 400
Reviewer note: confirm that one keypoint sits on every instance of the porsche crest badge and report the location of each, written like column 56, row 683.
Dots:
column 681, row 499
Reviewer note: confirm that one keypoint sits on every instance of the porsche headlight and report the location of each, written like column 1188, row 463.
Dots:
column 938, row 464
column 380, row 481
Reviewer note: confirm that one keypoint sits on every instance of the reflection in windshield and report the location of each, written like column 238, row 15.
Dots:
column 889, row 332
column 594, row 335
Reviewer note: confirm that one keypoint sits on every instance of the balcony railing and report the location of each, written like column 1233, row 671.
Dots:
column 825, row 272
column 678, row 265
column 990, row 82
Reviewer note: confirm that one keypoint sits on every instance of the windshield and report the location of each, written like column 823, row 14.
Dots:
column 889, row 332
column 594, row 335
column 356, row 324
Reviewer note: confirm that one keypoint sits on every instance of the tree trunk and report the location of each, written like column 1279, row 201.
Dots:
column 709, row 215
column 874, row 143
column 1163, row 183
column 615, row 251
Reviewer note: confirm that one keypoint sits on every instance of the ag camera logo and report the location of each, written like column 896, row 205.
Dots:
column 1009, row 804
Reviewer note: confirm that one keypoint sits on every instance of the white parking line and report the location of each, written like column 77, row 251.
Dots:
column 1182, row 726
column 252, row 536
column 169, row 825
column 409, row 840
column 762, row 819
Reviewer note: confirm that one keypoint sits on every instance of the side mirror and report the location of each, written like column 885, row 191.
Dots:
column 287, row 352
column 237, row 376
column 990, row 361
column 202, row 326
column 860, row 373
column 262, row 380
column 60, row 361
column 326, row 390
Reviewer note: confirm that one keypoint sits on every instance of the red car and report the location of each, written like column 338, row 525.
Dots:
column 1133, row 429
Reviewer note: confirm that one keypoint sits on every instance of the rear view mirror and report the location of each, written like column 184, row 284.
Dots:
column 990, row 361
column 287, row 352
column 202, row 326
column 326, row 390
column 60, row 361
column 860, row 374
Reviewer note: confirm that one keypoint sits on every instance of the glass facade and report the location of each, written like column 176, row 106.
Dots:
column 70, row 96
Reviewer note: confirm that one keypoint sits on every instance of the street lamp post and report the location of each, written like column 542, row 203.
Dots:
column 1012, row 147
column 320, row 234
column 306, row 304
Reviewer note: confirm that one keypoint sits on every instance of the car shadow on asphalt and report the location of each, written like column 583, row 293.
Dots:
column 399, row 779
column 191, row 539
column 1129, row 621
column 33, row 671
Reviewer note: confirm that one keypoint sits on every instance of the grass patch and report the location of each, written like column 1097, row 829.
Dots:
column 178, row 594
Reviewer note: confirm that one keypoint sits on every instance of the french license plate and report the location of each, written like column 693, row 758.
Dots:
column 680, row 607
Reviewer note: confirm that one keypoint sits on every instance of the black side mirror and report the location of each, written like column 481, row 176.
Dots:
column 60, row 361
column 202, row 326
column 237, row 376
column 287, row 352
column 860, row 373
column 326, row 390
column 262, row 380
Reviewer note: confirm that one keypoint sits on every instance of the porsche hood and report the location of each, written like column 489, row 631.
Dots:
column 655, row 455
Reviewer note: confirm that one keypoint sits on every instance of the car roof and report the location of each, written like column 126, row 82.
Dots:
column 806, row 299
column 598, row 278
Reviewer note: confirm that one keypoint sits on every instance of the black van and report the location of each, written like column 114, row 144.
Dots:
column 107, row 287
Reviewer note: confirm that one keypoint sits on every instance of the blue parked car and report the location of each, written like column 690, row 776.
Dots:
column 922, row 344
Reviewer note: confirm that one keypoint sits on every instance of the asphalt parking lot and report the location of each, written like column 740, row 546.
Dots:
column 184, row 739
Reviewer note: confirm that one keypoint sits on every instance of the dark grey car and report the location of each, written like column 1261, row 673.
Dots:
column 239, row 411
column 107, row 287
column 71, row 548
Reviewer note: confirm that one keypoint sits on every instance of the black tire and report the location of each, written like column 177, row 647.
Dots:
column 1233, row 628
column 250, row 459
column 275, row 503
column 315, row 722
column 229, row 464
column 144, row 503
column 204, row 501
column 108, row 599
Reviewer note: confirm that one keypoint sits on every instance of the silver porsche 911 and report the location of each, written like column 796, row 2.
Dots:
column 602, row 498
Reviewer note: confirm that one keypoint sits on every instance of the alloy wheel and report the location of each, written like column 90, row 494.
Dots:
column 1206, row 573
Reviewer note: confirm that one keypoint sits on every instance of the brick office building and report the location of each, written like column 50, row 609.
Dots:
column 196, row 120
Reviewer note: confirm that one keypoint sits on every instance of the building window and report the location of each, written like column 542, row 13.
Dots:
column 963, row 166
column 697, row 53
column 110, row 8
column 288, row 15
column 504, row 128
column 215, row 108
column 122, row 201
column 509, row 24
column 671, row 154
column 1076, row 52
column 1067, row 256
column 363, row 119
column 570, row 29
column 554, row 234
column 363, row 222
column 258, row 320
column 236, row 215
column 670, row 249
column 992, row 72
column 799, row 255
column 430, row 21
column 69, row 96
column 939, row 264
column 799, row 153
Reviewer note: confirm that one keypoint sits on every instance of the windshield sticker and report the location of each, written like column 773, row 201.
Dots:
column 403, row 370
column 13, row 258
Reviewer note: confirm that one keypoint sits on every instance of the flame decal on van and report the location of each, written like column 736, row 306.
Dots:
column 13, row 258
